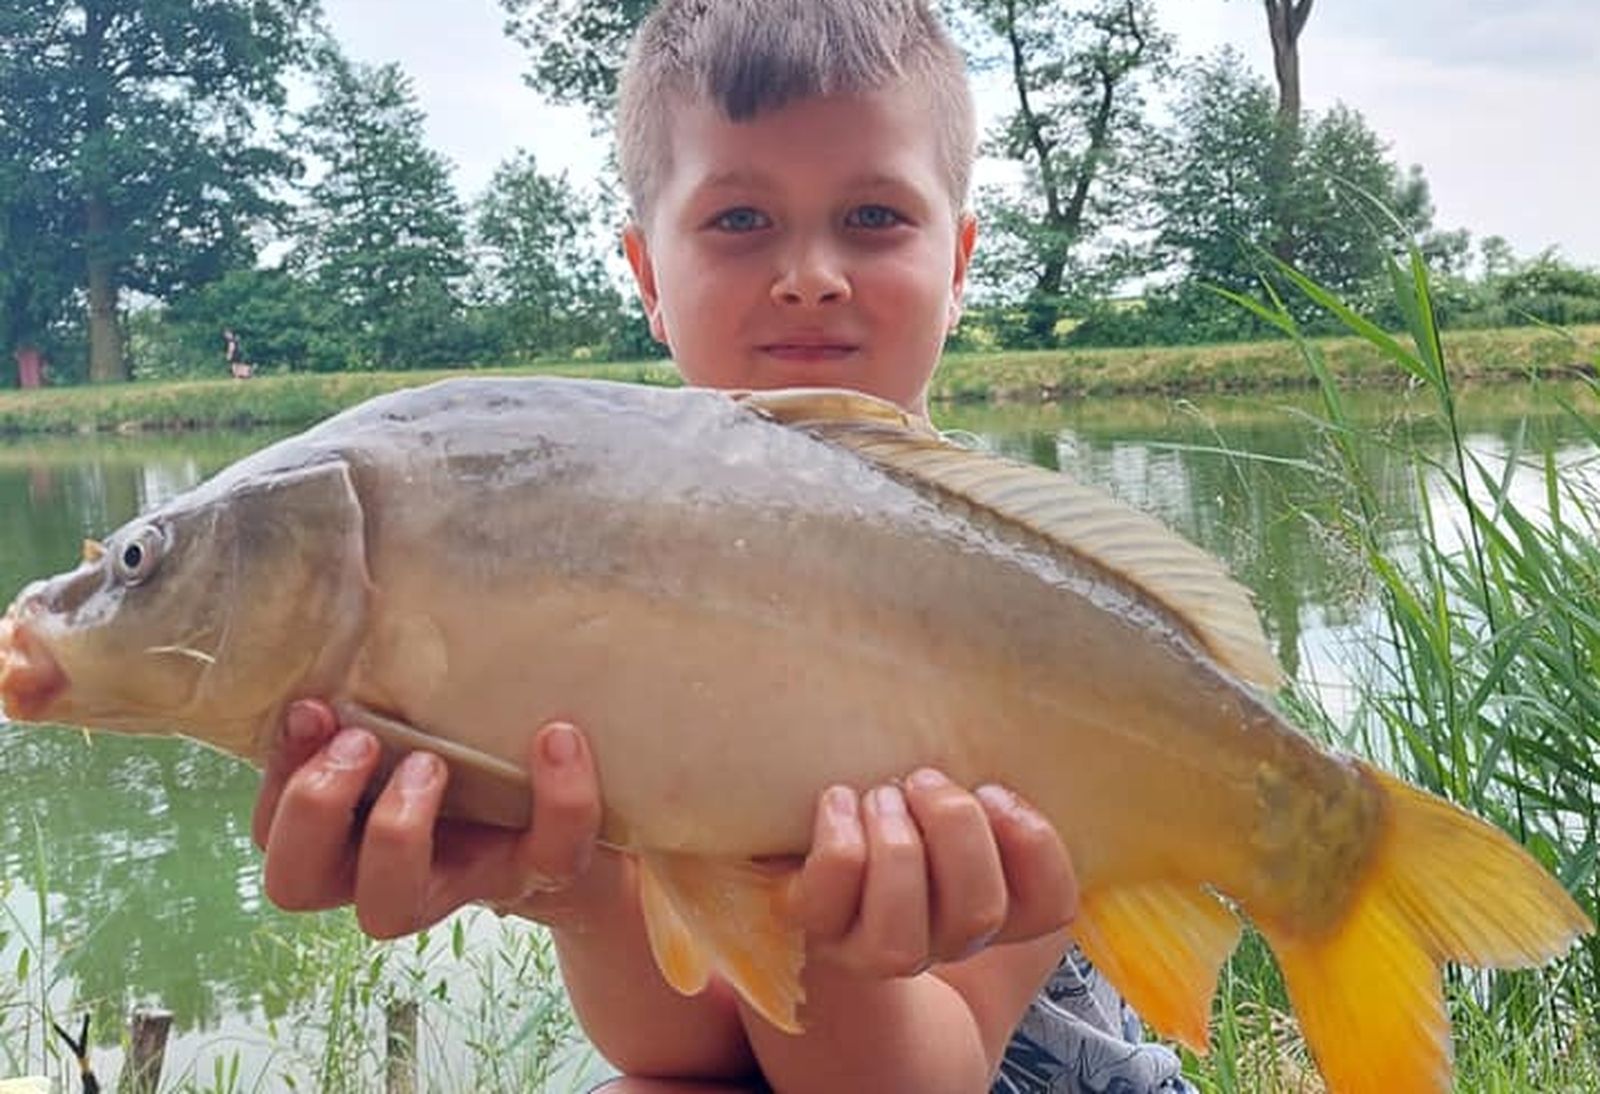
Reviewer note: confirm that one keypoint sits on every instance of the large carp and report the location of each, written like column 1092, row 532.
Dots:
column 744, row 599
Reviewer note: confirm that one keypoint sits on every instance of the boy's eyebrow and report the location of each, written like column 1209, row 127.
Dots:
column 742, row 179
column 735, row 180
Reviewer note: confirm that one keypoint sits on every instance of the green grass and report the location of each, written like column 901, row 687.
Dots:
column 492, row 1015
column 300, row 398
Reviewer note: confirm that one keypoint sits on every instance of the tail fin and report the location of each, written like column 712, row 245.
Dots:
column 1445, row 886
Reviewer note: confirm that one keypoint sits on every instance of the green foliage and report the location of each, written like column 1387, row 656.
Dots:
column 540, row 272
column 135, row 157
column 282, row 322
column 1079, row 75
column 576, row 46
column 384, row 233
column 1222, row 201
column 1545, row 289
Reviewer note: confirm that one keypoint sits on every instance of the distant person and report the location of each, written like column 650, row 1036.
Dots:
column 237, row 367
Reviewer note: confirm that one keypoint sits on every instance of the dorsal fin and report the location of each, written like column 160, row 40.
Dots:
column 1193, row 587
column 804, row 408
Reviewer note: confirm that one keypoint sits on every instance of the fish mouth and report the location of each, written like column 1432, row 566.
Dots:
column 30, row 678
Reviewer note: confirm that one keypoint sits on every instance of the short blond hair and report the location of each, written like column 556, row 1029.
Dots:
column 750, row 56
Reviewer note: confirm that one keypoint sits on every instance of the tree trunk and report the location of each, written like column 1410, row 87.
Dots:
column 1285, row 20
column 105, row 337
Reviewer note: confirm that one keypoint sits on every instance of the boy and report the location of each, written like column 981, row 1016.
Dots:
column 797, row 171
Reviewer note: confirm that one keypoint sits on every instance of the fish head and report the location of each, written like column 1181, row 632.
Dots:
column 203, row 617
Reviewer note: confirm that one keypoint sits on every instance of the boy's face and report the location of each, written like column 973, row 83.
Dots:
column 812, row 246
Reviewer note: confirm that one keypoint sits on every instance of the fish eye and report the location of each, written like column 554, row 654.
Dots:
column 137, row 558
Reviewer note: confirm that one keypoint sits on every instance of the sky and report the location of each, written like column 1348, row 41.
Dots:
column 1492, row 98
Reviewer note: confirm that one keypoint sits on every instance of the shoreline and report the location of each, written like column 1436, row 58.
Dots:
column 1037, row 376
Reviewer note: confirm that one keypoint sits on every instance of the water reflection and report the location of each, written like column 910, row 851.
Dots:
column 142, row 845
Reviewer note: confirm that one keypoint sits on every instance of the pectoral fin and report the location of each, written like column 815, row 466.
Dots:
column 683, row 961
column 1162, row 945
column 727, row 917
column 482, row 787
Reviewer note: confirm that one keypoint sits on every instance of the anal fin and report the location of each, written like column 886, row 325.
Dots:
column 1162, row 944
column 729, row 917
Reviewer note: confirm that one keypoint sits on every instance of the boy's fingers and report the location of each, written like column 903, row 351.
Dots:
column 394, row 868
column 830, row 878
column 307, row 726
column 566, row 809
column 890, row 937
column 1038, row 870
column 967, row 885
column 310, row 861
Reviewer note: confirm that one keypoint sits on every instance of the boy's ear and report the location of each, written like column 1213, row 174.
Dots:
column 644, row 276
column 966, row 239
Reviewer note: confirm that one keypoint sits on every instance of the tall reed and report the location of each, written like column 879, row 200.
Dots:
column 1481, row 682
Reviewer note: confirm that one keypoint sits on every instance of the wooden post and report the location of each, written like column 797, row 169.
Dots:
column 147, row 1050
column 400, row 1045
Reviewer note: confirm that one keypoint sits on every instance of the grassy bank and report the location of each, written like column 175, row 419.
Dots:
column 296, row 399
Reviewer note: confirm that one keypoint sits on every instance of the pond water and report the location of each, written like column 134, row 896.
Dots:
column 126, row 871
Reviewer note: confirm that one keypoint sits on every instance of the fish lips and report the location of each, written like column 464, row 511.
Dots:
column 30, row 677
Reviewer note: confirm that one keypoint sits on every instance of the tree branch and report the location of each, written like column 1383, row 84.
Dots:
column 1030, row 120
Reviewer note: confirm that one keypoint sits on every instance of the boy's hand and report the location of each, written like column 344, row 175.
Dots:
column 899, row 879
column 403, row 867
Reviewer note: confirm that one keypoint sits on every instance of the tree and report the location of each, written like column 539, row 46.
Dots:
column 384, row 232
column 134, row 123
column 540, row 271
column 1221, row 195
column 1216, row 198
column 1079, row 74
column 577, row 46
column 36, row 288
column 284, row 322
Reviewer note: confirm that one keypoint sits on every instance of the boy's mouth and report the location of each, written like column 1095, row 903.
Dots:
column 804, row 351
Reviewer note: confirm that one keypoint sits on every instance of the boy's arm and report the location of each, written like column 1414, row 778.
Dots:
column 941, row 1031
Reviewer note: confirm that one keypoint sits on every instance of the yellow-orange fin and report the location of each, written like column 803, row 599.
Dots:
column 1162, row 944
column 683, row 962
column 1443, row 885
column 725, row 916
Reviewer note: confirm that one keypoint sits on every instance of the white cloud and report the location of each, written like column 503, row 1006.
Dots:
column 468, row 78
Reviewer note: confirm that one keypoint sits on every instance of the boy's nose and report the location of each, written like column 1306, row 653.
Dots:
column 810, row 279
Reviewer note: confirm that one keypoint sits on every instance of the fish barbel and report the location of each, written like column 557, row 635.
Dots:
column 743, row 599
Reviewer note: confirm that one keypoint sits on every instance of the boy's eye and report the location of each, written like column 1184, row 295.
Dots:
column 874, row 217
column 743, row 219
